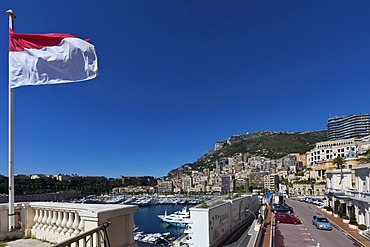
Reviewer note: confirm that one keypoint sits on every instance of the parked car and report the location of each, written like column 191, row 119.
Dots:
column 286, row 218
column 319, row 202
column 282, row 208
column 321, row 222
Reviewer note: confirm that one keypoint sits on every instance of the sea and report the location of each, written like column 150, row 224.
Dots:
column 147, row 220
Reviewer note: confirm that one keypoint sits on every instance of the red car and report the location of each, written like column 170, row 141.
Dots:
column 286, row 218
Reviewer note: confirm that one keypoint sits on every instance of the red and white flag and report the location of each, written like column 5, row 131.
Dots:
column 38, row 59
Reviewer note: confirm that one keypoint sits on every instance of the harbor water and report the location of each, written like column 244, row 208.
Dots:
column 146, row 218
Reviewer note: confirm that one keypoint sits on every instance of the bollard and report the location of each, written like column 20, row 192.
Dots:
column 318, row 245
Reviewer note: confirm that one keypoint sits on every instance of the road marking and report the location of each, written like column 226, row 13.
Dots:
column 305, row 233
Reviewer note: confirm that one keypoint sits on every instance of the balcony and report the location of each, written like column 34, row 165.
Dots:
column 57, row 222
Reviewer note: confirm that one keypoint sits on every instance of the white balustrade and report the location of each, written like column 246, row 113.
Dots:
column 59, row 222
column 36, row 218
column 48, row 221
column 44, row 220
column 56, row 222
column 39, row 220
column 81, row 226
column 76, row 224
column 64, row 222
column 70, row 223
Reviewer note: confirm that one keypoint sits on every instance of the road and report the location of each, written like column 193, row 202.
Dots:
column 306, row 234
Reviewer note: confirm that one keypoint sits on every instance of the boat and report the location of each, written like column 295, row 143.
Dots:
column 153, row 238
column 179, row 218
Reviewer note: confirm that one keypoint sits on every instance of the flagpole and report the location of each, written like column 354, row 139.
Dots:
column 11, row 141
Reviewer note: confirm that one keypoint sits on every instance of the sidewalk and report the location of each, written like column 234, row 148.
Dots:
column 344, row 227
column 27, row 242
column 267, row 226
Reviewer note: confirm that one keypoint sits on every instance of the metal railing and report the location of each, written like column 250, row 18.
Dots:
column 96, row 237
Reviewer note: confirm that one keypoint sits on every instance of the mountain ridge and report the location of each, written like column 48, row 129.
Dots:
column 269, row 144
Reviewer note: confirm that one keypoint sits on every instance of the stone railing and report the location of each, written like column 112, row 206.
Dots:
column 357, row 194
column 97, row 237
column 56, row 222
column 351, row 192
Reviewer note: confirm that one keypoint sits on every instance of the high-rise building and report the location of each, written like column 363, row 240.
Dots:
column 271, row 182
column 344, row 127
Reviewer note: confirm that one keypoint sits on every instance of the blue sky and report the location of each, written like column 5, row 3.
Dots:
column 176, row 76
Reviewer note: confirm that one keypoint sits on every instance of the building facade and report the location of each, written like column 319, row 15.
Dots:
column 343, row 127
column 348, row 192
column 165, row 187
column 329, row 150
column 271, row 182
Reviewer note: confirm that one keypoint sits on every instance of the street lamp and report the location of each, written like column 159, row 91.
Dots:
column 168, row 242
column 257, row 225
column 255, row 217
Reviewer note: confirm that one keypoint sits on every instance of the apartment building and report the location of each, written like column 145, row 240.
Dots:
column 165, row 186
column 353, row 126
column 187, row 183
column 271, row 182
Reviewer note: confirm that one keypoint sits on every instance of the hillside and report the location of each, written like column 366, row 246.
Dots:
column 269, row 144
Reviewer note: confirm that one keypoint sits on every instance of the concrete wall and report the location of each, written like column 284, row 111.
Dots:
column 211, row 226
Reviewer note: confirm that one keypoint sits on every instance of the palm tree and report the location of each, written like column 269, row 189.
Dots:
column 365, row 159
column 339, row 161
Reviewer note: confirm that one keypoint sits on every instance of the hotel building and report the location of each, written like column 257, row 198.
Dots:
column 329, row 150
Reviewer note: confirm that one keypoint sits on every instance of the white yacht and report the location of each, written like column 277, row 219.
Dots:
column 179, row 218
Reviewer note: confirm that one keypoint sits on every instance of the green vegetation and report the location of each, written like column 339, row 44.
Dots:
column 345, row 217
column 299, row 174
column 302, row 182
column 339, row 161
column 274, row 145
column 234, row 196
column 365, row 159
column 352, row 220
column 362, row 227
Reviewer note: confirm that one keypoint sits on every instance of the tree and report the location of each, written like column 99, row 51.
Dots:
column 339, row 161
column 365, row 159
